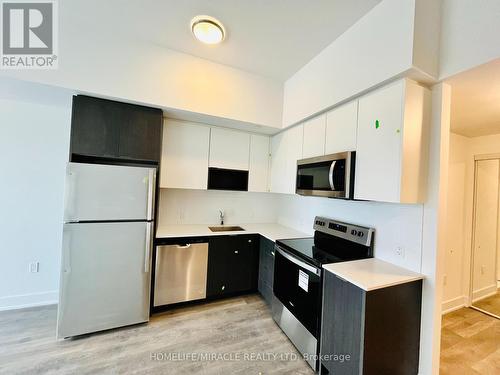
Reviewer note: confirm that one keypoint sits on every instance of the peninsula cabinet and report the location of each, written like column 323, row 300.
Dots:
column 392, row 143
column 378, row 329
column 184, row 162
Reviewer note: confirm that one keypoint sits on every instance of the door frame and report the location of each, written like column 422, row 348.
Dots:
column 477, row 158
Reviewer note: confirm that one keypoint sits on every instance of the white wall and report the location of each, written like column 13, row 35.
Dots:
column 460, row 214
column 395, row 38
column 454, row 288
column 34, row 139
column 396, row 225
column 180, row 206
column 470, row 35
column 108, row 65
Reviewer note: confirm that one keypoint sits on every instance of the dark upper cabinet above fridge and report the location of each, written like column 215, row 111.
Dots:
column 108, row 129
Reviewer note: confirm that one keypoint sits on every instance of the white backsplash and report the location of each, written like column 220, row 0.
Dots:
column 396, row 225
column 182, row 206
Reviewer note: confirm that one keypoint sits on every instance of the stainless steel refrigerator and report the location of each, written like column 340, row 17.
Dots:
column 106, row 252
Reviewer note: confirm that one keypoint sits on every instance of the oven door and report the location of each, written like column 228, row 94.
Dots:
column 297, row 285
column 326, row 176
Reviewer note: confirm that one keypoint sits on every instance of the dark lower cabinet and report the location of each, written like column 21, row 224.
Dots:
column 266, row 269
column 232, row 264
column 378, row 330
column 108, row 129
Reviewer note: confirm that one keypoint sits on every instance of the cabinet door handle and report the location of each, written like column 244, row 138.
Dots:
column 223, row 287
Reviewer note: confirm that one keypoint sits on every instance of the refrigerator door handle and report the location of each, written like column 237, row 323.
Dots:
column 70, row 196
column 151, row 193
column 147, row 251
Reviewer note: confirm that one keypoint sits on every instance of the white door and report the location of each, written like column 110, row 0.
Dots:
column 379, row 142
column 485, row 229
column 105, row 276
column 107, row 192
column 258, row 175
column 184, row 162
column 229, row 149
column 314, row 137
column 341, row 128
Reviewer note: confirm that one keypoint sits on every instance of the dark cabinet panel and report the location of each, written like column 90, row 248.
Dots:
column 232, row 264
column 94, row 129
column 266, row 269
column 379, row 329
column 108, row 129
column 140, row 134
column 342, row 323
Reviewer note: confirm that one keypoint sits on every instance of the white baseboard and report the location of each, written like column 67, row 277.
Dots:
column 484, row 292
column 453, row 304
column 29, row 300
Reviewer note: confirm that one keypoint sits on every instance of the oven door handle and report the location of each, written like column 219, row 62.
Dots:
column 330, row 175
column 298, row 262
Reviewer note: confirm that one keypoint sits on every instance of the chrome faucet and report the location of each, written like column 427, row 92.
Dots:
column 221, row 215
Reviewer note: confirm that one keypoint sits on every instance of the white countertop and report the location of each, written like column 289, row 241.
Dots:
column 271, row 231
column 371, row 274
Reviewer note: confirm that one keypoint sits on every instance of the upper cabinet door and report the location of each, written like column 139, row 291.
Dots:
column 392, row 144
column 184, row 162
column 109, row 129
column 258, row 176
column 95, row 127
column 229, row 149
column 286, row 149
column 341, row 128
column 314, row 137
column 140, row 134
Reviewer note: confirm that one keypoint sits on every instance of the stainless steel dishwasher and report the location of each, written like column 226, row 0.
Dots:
column 180, row 273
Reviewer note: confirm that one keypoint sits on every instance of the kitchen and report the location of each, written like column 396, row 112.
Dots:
column 218, row 213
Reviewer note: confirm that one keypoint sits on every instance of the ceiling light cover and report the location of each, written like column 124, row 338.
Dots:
column 207, row 29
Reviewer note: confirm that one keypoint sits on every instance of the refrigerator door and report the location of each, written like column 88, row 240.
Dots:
column 105, row 276
column 97, row 192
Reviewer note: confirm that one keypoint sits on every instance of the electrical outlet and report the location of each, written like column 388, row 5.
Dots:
column 400, row 252
column 34, row 267
column 445, row 280
column 483, row 270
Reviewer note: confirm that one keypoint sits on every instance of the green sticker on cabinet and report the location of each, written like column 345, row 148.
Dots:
column 377, row 124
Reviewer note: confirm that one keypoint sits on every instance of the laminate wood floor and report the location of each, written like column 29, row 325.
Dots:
column 490, row 304
column 470, row 343
column 237, row 328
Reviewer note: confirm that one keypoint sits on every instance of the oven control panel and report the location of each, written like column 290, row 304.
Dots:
column 351, row 232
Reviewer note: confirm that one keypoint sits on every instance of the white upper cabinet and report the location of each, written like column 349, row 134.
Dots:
column 314, row 137
column 392, row 143
column 184, row 162
column 229, row 149
column 258, row 175
column 286, row 149
column 341, row 128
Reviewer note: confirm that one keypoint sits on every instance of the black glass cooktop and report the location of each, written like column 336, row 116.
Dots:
column 324, row 249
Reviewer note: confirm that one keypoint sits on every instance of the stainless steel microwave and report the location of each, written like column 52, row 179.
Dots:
column 327, row 176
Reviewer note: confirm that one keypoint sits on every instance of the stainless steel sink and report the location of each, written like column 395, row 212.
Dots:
column 225, row 228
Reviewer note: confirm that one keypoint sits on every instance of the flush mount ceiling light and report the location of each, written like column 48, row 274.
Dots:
column 207, row 29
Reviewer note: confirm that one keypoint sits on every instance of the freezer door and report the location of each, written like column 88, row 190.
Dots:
column 97, row 192
column 105, row 276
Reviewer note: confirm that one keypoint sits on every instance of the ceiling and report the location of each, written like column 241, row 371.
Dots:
column 475, row 101
column 270, row 38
